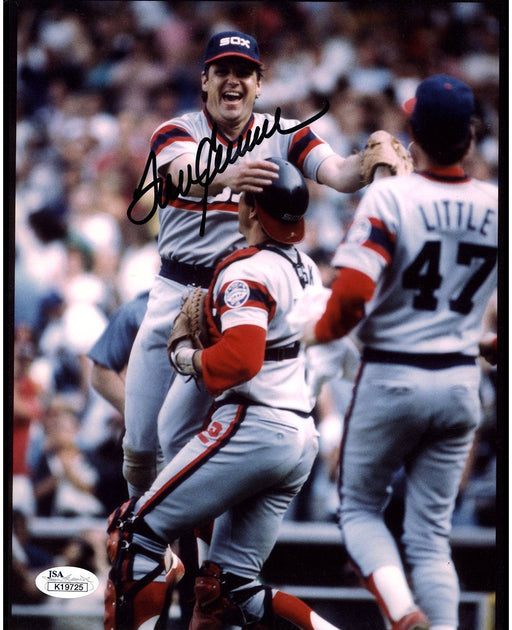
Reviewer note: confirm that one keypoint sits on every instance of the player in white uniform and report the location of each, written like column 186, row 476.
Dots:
column 227, row 129
column 417, row 268
column 256, row 452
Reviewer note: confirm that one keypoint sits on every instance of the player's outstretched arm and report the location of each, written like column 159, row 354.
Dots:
column 382, row 156
column 342, row 174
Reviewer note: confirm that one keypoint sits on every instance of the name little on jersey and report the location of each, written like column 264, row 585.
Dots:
column 447, row 214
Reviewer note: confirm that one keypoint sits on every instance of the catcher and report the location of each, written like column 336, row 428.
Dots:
column 257, row 449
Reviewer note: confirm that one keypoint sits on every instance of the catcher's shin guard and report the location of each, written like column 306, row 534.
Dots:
column 141, row 604
column 297, row 612
column 213, row 609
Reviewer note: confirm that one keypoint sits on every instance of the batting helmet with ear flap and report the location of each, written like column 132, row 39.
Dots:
column 281, row 206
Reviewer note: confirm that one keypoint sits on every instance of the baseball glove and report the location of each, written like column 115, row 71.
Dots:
column 189, row 329
column 383, row 149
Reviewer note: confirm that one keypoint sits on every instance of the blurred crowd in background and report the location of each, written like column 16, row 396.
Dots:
column 94, row 79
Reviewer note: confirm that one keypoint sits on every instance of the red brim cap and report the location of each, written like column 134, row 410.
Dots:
column 283, row 232
column 408, row 105
column 233, row 54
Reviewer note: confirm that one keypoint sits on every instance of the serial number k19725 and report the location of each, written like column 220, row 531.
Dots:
column 68, row 586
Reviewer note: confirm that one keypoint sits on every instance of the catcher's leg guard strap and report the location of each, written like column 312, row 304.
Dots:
column 213, row 609
column 281, row 610
column 254, row 601
column 128, row 605
column 242, row 601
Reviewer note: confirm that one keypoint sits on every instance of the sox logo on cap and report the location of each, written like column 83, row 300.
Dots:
column 236, row 41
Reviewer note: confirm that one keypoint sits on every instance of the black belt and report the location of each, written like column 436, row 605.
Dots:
column 186, row 274
column 286, row 352
column 238, row 399
column 427, row 361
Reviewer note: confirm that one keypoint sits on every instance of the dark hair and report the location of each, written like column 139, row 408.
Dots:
column 249, row 199
column 438, row 149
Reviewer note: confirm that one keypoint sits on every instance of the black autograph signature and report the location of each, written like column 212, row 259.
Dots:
column 214, row 164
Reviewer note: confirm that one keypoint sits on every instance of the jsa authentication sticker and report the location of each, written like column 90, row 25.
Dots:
column 67, row 582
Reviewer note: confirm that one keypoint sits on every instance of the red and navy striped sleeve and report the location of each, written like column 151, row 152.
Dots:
column 304, row 141
column 380, row 240
column 168, row 134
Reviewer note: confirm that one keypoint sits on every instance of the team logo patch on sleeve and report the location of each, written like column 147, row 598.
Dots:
column 236, row 294
column 359, row 231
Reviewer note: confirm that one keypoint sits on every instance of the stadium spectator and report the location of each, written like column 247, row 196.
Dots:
column 27, row 409
column 64, row 481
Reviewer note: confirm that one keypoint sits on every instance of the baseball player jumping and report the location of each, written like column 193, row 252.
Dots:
column 196, row 233
column 416, row 271
column 256, row 452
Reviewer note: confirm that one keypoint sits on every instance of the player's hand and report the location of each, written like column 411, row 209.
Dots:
column 488, row 348
column 183, row 360
column 382, row 171
column 250, row 176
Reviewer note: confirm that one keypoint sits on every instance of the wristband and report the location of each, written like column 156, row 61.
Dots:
column 183, row 358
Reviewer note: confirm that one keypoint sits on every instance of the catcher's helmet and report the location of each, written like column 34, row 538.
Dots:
column 281, row 206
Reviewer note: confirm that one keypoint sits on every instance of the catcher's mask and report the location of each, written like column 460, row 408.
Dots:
column 281, row 206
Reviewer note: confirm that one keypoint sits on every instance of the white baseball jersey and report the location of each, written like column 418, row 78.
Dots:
column 259, row 291
column 180, row 221
column 430, row 244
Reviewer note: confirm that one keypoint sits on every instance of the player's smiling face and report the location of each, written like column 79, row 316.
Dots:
column 231, row 85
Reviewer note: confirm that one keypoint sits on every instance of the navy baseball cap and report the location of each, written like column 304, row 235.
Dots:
column 232, row 44
column 443, row 107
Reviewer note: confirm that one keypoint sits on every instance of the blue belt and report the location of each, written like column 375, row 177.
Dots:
column 427, row 361
column 184, row 273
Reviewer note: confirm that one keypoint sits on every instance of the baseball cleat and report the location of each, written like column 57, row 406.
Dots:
column 415, row 620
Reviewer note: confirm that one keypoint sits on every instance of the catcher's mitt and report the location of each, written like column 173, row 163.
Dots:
column 189, row 328
column 383, row 149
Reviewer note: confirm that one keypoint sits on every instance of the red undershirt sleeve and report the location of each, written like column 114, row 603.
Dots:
column 234, row 359
column 345, row 307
